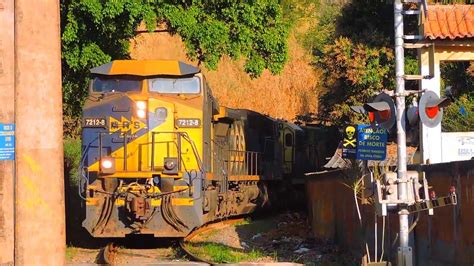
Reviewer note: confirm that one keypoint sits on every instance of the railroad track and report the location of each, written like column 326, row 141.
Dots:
column 202, row 229
column 108, row 253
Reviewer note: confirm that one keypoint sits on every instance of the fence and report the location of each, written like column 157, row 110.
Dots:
column 447, row 238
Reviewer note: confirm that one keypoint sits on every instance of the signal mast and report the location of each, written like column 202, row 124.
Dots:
column 400, row 192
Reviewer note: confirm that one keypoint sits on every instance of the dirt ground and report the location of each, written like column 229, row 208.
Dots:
column 128, row 254
column 284, row 238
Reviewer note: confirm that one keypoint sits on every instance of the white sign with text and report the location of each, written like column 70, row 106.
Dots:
column 457, row 146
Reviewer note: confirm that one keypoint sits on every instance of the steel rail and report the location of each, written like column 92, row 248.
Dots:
column 205, row 228
column 107, row 254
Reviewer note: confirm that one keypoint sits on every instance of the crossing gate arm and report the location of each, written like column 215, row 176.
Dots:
column 433, row 203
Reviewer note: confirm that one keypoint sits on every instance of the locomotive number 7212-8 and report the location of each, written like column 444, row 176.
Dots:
column 94, row 122
column 188, row 122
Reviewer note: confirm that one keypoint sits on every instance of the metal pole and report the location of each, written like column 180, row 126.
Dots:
column 39, row 202
column 404, row 251
column 7, row 106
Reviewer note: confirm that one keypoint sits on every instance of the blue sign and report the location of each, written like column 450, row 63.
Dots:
column 371, row 143
column 7, row 142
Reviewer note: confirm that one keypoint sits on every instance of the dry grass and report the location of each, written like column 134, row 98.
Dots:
column 292, row 93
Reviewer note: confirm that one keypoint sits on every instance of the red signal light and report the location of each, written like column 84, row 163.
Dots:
column 432, row 112
column 371, row 117
column 385, row 114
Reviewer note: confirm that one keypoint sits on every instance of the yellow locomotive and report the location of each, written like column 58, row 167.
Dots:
column 161, row 157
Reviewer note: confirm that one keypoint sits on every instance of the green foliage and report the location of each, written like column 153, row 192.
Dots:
column 72, row 159
column 298, row 10
column 355, row 73
column 220, row 253
column 458, row 76
column 72, row 126
column 96, row 31
column 93, row 33
column 459, row 116
column 352, row 43
column 370, row 24
column 324, row 31
column 211, row 29
column 361, row 67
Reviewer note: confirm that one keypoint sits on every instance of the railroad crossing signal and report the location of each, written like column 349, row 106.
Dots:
column 430, row 108
column 418, row 198
column 382, row 111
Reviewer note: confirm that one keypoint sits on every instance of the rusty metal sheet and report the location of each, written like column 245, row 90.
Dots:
column 445, row 238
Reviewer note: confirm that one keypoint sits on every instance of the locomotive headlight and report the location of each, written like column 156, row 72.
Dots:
column 141, row 113
column 170, row 165
column 141, row 105
column 107, row 165
column 141, row 109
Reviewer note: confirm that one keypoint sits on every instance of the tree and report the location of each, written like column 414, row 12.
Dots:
column 97, row 31
column 352, row 43
column 459, row 115
column 355, row 73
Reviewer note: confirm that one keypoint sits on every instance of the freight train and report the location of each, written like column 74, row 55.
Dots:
column 160, row 156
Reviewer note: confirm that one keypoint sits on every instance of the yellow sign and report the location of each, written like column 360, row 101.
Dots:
column 348, row 142
column 349, row 138
column 124, row 125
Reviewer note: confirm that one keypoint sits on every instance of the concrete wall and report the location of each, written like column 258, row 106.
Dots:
column 7, row 100
column 447, row 238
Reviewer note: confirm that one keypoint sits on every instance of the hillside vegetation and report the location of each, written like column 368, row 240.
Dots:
column 95, row 32
column 291, row 93
column 284, row 58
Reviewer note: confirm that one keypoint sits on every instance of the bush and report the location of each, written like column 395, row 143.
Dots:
column 72, row 159
column 75, row 233
column 459, row 115
column 72, row 126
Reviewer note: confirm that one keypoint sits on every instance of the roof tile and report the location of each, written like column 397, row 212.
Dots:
column 449, row 21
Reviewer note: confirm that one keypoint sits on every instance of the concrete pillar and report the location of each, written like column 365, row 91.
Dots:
column 39, row 188
column 7, row 100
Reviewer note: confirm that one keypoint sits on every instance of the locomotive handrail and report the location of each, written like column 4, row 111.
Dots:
column 220, row 162
column 149, row 143
column 179, row 134
column 247, row 161
column 81, row 168
column 125, row 137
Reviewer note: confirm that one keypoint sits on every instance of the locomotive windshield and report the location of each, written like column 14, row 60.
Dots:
column 178, row 86
column 115, row 85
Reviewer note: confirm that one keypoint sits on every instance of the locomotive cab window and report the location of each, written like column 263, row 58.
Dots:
column 175, row 86
column 288, row 139
column 100, row 84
